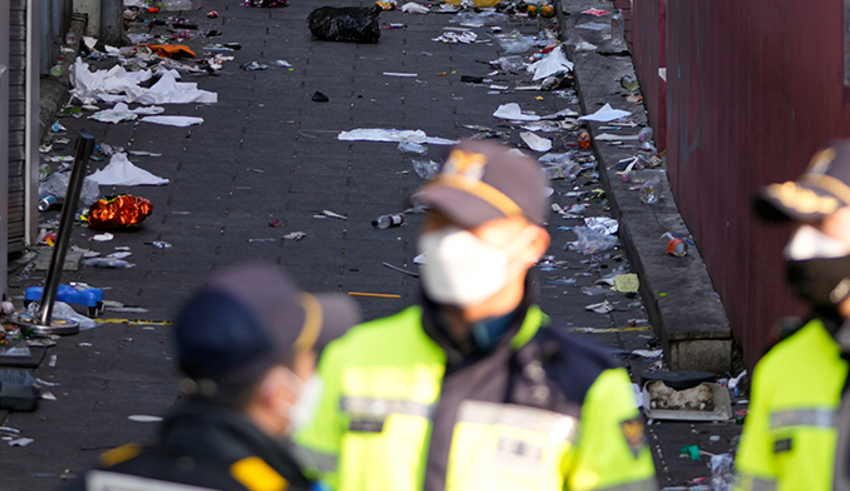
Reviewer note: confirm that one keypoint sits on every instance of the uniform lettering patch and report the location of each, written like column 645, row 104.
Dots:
column 633, row 432
column 367, row 426
column 783, row 445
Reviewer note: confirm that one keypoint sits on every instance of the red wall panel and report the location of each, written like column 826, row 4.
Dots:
column 753, row 89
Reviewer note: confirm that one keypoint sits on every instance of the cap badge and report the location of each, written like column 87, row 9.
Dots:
column 802, row 199
column 466, row 164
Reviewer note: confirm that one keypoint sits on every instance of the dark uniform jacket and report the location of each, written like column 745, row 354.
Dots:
column 205, row 447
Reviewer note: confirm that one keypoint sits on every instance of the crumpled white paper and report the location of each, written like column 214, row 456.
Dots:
column 553, row 63
column 512, row 112
column 118, row 85
column 606, row 114
column 414, row 8
column 122, row 172
column 536, row 143
column 179, row 121
column 392, row 135
column 122, row 112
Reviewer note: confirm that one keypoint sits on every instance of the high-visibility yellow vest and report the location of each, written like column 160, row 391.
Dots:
column 382, row 382
column 789, row 437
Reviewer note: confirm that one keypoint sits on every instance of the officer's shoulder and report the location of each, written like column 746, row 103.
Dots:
column 574, row 363
column 377, row 329
column 791, row 333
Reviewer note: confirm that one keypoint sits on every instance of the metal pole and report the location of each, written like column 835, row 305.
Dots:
column 85, row 145
column 562, row 26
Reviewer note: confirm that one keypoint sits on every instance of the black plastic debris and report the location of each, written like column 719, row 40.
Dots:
column 346, row 24
column 319, row 97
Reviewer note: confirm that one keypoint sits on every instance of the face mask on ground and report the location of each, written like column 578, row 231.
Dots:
column 309, row 393
column 462, row 269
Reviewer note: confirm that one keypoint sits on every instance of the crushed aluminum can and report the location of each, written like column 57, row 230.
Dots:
column 212, row 14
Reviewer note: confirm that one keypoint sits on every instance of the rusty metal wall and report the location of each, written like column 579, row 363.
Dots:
column 754, row 88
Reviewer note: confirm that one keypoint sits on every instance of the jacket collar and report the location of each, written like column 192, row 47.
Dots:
column 204, row 430
column 527, row 318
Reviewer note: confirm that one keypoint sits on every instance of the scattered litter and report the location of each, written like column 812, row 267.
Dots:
column 118, row 85
column 602, row 225
column 295, row 236
column 104, row 237
column 58, row 128
column 119, row 255
column 606, row 114
column 122, row 112
column 122, row 172
column 414, row 8
column 257, row 241
column 330, row 214
column 178, row 121
column 283, row 63
column 345, row 24
column 419, row 259
column 374, row 295
column 102, row 262
column 596, row 12
column 703, row 402
column 319, row 97
column 594, row 26
column 20, row 442
column 650, row 192
column 401, row 270
column 590, row 242
column 392, row 135
column 401, row 75
column 609, row 137
column 52, row 361
column 722, row 472
column 512, row 112
column 426, row 169
column 161, row 244
column 450, row 37
column 514, row 43
column 626, row 283
column 144, row 418
column 603, row 307
column 253, row 66
column 536, row 143
column 649, row 354
column 144, row 153
column 412, row 147
column 554, row 63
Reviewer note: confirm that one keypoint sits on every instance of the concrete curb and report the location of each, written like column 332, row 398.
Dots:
column 54, row 90
column 685, row 310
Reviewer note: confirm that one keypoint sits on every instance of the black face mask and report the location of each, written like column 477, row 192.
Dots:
column 822, row 282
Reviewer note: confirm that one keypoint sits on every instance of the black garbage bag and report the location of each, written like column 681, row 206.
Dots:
column 347, row 24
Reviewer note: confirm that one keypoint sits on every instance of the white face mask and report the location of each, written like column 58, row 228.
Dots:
column 300, row 414
column 810, row 243
column 462, row 269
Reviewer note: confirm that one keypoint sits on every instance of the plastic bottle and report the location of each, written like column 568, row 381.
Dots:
column 387, row 221
column 70, row 38
column 650, row 192
column 56, row 70
column 676, row 245
column 645, row 134
column 584, row 140
column 617, row 30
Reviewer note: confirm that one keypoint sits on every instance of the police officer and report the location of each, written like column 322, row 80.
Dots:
column 789, row 438
column 473, row 388
column 247, row 345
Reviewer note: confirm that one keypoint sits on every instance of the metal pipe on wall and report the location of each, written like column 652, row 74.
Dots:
column 33, row 56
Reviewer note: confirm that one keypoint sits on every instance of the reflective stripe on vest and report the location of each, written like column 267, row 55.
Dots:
column 379, row 408
column 751, row 483
column 311, row 458
column 555, row 426
column 820, row 417
column 647, row 485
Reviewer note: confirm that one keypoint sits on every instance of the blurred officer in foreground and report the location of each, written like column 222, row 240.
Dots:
column 473, row 389
column 247, row 344
column 789, row 438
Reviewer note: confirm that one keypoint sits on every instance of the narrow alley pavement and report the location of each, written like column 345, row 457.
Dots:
column 265, row 154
